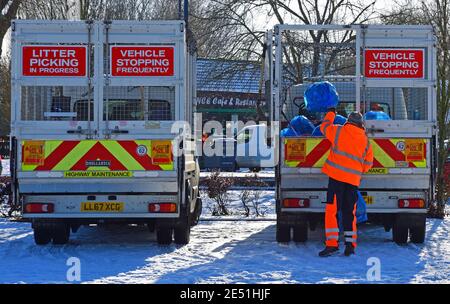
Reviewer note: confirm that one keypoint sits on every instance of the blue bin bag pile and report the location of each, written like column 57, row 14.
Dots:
column 338, row 120
column 376, row 115
column 320, row 96
column 299, row 126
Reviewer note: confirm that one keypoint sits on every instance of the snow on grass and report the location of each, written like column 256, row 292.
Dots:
column 220, row 252
column 266, row 206
column 5, row 165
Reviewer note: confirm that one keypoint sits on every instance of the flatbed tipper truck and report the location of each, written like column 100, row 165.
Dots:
column 93, row 109
column 386, row 68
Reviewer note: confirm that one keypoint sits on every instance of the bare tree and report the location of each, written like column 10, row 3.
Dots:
column 5, row 96
column 436, row 13
column 87, row 9
column 49, row 10
column 242, row 31
column 8, row 11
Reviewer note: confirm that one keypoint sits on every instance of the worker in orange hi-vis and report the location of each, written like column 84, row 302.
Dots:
column 350, row 156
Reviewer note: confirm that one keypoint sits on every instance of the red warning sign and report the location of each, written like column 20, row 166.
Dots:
column 142, row 61
column 54, row 60
column 394, row 63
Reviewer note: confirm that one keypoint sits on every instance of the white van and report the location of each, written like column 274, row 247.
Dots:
column 253, row 149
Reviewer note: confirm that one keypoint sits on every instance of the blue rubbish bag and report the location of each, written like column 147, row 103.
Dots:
column 302, row 125
column 320, row 96
column 338, row 120
column 288, row 132
column 317, row 132
column 376, row 115
column 361, row 213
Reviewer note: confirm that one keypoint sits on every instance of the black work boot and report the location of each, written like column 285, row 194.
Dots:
column 349, row 249
column 328, row 251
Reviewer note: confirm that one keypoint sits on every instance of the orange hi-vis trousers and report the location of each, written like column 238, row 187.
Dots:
column 340, row 197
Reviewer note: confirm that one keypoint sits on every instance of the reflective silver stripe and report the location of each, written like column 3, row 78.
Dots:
column 331, row 230
column 368, row 163
column 350, row 240
column 348, row 155
column 332, row 237
column 349, row 233
column 325, row 129
column 345, row 169
column 329, row 121
column 366, row 149
column 336, row 139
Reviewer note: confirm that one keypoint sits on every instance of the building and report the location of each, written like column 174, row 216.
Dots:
column 229, row 90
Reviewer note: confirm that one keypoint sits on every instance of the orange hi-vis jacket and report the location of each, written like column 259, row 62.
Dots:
column 351, row 154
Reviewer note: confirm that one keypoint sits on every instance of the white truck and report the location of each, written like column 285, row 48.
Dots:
column 93, row 106
column 390, row 67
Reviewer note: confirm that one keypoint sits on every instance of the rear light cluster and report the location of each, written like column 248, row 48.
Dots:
column 39, row 208
column 296, row 203
column 162, row 207
column 411, row 203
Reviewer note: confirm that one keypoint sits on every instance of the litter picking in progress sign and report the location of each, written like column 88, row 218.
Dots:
column 142, row 61
column 394, row 63
column 39, row 60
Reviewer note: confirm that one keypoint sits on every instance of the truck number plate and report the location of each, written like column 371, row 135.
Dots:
column 369, row 200
column 102, row 207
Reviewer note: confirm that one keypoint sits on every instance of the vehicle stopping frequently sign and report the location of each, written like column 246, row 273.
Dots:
column 39, row 60
column 394, row 63
column 142, row 61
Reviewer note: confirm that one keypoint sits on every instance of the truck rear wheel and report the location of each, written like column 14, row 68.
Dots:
column 182, row 235
column 164, row 236
column 283, row 233
column 417, row 235
column 197, row 212
column 400, row 234
column 301, row 233
column 42, row 236
column 418, row 231
column 61, row 234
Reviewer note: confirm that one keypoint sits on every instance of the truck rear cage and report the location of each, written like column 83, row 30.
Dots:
column 103, row 94
column 340, row 53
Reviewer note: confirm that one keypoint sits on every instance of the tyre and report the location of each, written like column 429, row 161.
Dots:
column 417, row 232
column 42, row 236
column 283, row 233
column 61, row 234
column 164, row 236
column 400, row 234
column 182, row 235
column 300, row 233
column 151, row 227
column 197, row 212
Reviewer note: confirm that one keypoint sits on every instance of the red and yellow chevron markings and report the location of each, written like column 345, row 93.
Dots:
column 97, row 155
column 307, row 152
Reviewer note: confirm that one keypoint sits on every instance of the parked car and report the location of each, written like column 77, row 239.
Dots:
column 222, row 162
column 251, row 149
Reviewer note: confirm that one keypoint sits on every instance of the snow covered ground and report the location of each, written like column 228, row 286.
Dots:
column 221, row 252
column 5, row 165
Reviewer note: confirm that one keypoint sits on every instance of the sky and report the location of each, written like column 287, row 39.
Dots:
column 261, row 20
